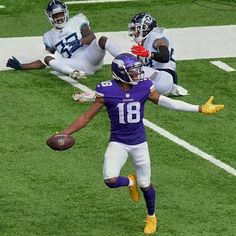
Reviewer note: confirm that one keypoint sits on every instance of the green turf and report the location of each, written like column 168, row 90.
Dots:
column 27, row 18
column 62, row 193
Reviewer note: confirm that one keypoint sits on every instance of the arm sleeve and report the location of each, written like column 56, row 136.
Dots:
column 162, row 55
column 176, row 104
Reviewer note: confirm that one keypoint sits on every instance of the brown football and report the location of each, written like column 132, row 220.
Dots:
column 60, row 142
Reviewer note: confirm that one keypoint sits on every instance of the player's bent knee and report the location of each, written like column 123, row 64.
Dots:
column 143, row 183
column 102, row 42
column 111, row 183
column 47, row 59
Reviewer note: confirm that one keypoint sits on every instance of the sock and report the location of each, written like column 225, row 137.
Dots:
column 120, row 182
column 60, row 67
column 150, row 198
column 112, row 48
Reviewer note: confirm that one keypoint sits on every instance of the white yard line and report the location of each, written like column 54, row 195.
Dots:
column 1, row 6
column 72, row 82
column 161, row 131
column 223, row 66
column 190, row 147
column 94, row 1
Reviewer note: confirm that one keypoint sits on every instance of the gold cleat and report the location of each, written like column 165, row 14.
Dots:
column 133, row 190
column 151, row 225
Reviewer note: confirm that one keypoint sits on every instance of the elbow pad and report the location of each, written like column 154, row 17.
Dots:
column 162, row 55
column 177, row 104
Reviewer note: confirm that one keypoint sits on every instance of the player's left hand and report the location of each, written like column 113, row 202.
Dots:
column 139, row 50
column 209, row 108
column 13, row 63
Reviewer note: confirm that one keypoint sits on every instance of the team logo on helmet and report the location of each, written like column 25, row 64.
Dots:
column 57, row 13
column 127, row 68
column 140, row 26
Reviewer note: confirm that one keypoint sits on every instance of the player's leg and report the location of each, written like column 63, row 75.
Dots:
column 96, row 51
column 162, row 81
column 107, row 44
column 114, row 159
column 141, row 161
column 63, row 66
column 172, row 73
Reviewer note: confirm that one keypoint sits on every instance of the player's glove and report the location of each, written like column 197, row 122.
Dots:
column 14, row 63
column 209, row 108
column 139, row 50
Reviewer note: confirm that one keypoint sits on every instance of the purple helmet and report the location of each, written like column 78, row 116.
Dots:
column 127, row 68
column 140, row 26
column 55, row 7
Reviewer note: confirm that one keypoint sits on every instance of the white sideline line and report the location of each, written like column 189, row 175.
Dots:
column 190, row 147
column 72, row 82
column 1, row 6
column 222, row 66
column 160, row 131
column 94, row 1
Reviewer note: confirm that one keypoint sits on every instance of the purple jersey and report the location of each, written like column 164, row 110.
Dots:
column 126, row 110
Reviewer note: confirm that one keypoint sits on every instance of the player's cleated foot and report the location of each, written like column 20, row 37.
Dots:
column 76, row 74
column 84, row 97
column 133, row 190
column 151, row 225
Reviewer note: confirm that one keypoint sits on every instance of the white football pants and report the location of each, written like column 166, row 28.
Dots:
column 116, row 156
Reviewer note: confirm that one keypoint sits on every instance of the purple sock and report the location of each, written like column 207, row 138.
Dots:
column 150, row 197
column 120, row 182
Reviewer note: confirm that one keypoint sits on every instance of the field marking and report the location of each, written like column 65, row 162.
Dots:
column 222, row 66
column 189, row 147
column 160, row 131
column 1, row 6
column 94, row 1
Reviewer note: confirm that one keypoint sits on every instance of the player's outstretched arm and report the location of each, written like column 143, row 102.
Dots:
column 85, row 118
column 207, row 108
column 17, row 65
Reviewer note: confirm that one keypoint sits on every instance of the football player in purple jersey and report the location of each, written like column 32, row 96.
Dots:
column 71, row 47
column 124, row 97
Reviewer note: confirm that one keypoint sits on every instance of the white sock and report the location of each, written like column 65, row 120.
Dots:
column 152, row 215
column 131, row 182
column 60, row 67
column 112, row 48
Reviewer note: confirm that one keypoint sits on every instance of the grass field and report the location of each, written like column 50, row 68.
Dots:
column 62, row 193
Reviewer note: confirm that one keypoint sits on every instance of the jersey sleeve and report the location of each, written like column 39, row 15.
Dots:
column 159, row 33
column 99, row 91
column 47, row 41
column 105, row 89
column 81, row 20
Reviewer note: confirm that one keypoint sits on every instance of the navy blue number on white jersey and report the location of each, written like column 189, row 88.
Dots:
column 68, row 45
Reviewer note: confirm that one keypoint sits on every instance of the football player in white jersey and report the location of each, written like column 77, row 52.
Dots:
column 155, row 49
column 71, row 46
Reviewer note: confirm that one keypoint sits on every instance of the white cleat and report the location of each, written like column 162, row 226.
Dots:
column 76, row 74
column 84, row 97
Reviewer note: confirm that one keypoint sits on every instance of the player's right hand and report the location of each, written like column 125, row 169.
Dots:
column 139, row 50
column 14, row 63
column 208, row 108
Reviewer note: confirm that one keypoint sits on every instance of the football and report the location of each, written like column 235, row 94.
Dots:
column 60, row 142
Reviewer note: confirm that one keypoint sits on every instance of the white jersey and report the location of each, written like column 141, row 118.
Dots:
column 66, row 41
column 158, row 33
